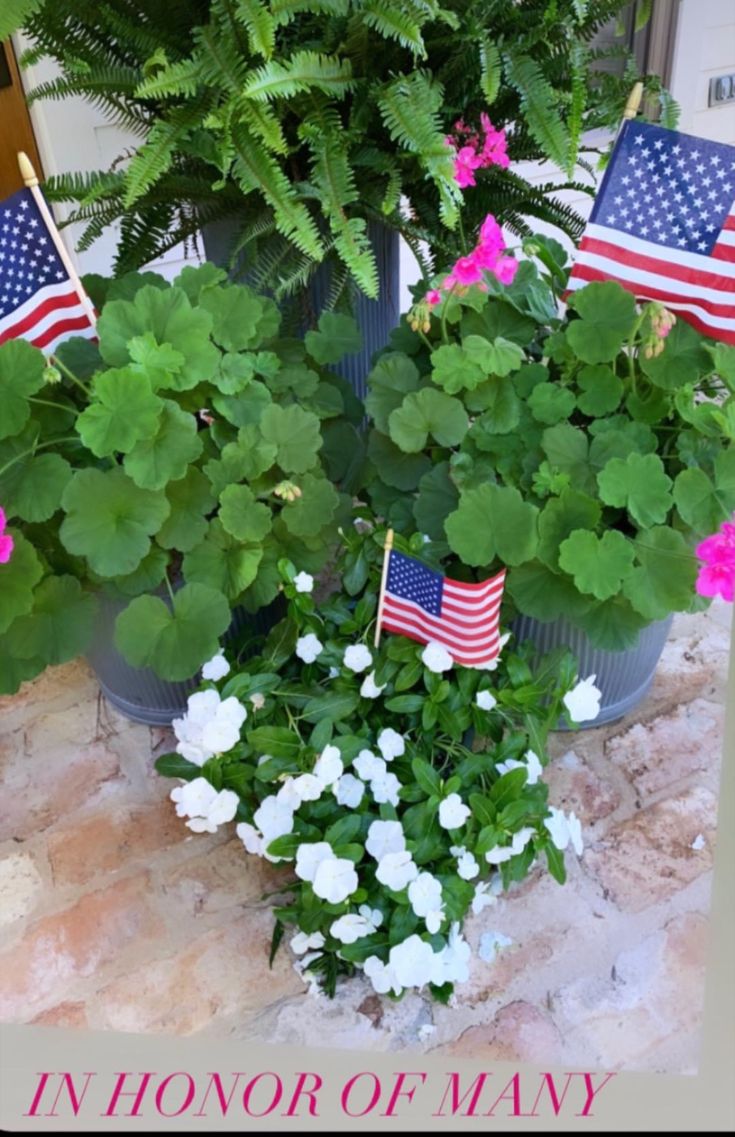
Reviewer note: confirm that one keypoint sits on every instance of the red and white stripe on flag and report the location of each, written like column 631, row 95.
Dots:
column 663, row 226
column 38, row 300
column 464, row 619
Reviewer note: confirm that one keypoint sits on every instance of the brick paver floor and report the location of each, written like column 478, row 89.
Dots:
column 115, row 917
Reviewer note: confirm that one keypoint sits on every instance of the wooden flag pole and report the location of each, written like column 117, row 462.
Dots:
column 30, row 179
column 632, row 106
column 383, row 581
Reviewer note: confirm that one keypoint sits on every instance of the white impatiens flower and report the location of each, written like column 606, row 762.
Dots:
column 381, row 976
column 485, row 700
column 349, row 791
column 425, row 896
column 391, row 744
column 303, row 582
column 210, row 726
column 396, row 870
column 486, row 894
column 251, row 838
column 351, row 928
column 436, row 657
column 357, row 657
column 385, row 837
column 583, row 701
column 216, row 668
column 564, row 829
column 369, row 688
column 308, row 647
column 491, row 943
column 373, row 916
column 454, row 959
column 288, row 795
column 453, row 812
column 369, row 766
column 532, row 766
column 258, row 700
column 309, row 857
column 273, row 818
column 385, row 789
column 333, row 673
column 467, row 866
column 413, row 962
column 301, row 942
column 308, row 787
column 204, row 806
column 335, row 879
column 329, row 766
column 520, row 839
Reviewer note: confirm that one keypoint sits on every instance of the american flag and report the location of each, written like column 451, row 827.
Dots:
column 38, row 301
column 663, row 226
column 426, row 606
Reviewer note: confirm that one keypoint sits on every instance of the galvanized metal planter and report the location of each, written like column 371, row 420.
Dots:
column 624, row 677
column 137, row 692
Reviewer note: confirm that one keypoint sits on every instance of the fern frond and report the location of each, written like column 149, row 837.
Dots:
column 305, row 71
column 254, row 168
column 284, row 11
column 260, row 25
column 154, row 158
column 491, row 70
column 180, row 78
column 14, row 14
column 263, row 122
column 394, row 22
column 539, row 103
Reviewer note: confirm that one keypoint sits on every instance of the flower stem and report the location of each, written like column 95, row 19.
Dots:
column 168, row 586
column 445, row 338
column 33, row 449
column 70, row 375
column 56, row 406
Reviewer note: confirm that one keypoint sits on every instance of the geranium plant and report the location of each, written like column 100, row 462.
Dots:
column 354, row 769
column 588, row 452
column 185, row 454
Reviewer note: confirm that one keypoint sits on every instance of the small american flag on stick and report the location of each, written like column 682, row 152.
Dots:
column 663, row 226
column 41, row 297
column 422, row 604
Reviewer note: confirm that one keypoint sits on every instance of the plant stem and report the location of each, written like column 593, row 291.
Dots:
column 445, row 338
column 70, row 375
column 56, row 406
column 33, row 449
column 168, row 586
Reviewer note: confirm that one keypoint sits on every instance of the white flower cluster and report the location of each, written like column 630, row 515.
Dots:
column 414, row 963
column 332, row 878
column 210, row 726
column 531, row 765
column 203, row 805
column 564, row 828
column 275, row 815
column 583, row 701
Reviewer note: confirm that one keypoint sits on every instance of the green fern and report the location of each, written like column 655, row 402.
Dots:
column 539, row 103
column 391, row 22
column 260, row 24
column 14, row 14
column 491, row 70
column 305, row 71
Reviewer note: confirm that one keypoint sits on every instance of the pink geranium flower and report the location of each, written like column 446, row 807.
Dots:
column 6, row 541
column 465, row 164
column 471, row 155
column 717, row 574
column 433, row 297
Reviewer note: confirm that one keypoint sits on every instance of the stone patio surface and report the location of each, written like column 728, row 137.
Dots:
column 114, row 916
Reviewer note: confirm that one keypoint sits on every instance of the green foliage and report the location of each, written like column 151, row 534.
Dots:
column 176, row 461
column 591, row 476
column 315, row 118
column 314, row 723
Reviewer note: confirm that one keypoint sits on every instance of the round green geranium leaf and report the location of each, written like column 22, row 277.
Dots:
column 109, row 520
column 60, row 625
column 493, row 521
column 308, row 514
column 455, row 370
column 607, row 314
column 601, row 390
column 499, row 356
column 191, row 499
column 148, row 575
column 395, row 467
column 168, row 315
column 394, row 376
column 640, row 484
column 165, row 456
column 21, row 375
column 32, row 488
column 296, row 435
column 338, row 335
column 683, row 360
column 424, row 413
column 247, row 408
column 173, row 642
column 242, row 516
column 223, row 562
column 437, row 498
column 126, row 410
column 18, row 577
column 501, row 409
column 195, row 279
column 664, row 579
column 13, row 669
column 599, row 565
column 560, row 517
column 545, row 595
column 236, row 312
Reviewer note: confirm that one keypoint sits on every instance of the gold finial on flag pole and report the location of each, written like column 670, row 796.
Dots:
column 30, row 179
column 633, row 104
column 383, row 581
